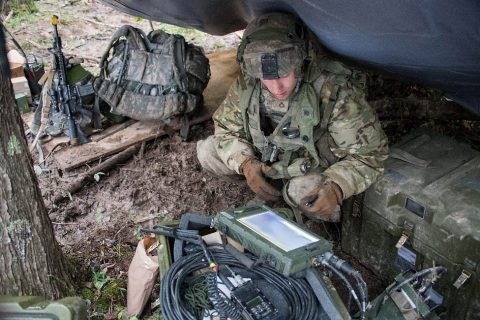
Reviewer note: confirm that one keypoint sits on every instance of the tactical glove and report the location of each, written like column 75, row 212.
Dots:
column 322, row 201
column 253, row 170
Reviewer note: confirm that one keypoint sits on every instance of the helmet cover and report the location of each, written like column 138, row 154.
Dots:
column 272, row 46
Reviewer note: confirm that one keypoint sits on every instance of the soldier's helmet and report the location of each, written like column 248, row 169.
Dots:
column 272, row 46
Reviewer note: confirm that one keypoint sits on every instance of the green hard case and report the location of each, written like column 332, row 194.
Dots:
column 435, row 209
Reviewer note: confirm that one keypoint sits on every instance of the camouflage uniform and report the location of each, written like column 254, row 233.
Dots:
column 337, row 135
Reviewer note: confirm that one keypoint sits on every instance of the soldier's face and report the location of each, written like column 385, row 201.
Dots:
column 281, row 88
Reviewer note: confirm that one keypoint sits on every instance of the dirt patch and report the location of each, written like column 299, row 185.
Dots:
column 98, row 227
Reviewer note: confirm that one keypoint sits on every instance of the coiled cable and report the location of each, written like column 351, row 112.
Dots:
column 301, row 301
column 223, row 305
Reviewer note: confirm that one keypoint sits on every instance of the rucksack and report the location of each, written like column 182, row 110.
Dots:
column 154, row 77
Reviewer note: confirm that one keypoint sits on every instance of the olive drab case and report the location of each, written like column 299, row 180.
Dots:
column 152, row 77
column 36, row 307
column 425, row 211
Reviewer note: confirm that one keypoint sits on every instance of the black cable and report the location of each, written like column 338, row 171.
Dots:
column 224, row 306
column 341, row 267
column 416, row 275
column 349, row 286
column 386, row 294
column 362, row 288
column 301, row 301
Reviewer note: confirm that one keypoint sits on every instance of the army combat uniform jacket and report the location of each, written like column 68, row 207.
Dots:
column 326, row 127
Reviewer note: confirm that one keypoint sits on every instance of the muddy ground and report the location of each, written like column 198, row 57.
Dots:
column 97, row 227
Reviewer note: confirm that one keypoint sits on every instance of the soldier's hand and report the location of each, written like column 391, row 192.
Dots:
column 322, row 200
column 253, row 170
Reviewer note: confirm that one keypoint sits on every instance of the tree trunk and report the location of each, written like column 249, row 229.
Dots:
column 31, row 261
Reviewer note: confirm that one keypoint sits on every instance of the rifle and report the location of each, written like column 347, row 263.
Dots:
column 64, row 94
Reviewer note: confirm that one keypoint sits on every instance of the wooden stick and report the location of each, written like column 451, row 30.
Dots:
column 113, row 129
column 103, row 167
column 65, row 223
column 97, row 22
column 36, row 45
column 9, row 15
column 89, row 58
column 142, row 150
column 66, row 53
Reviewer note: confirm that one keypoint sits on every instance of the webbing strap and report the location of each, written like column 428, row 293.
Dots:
column 403, row 155
column 123, row 31
column 245, row 98
column 46, row 103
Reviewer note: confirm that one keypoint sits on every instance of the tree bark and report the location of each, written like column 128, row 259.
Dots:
column 31, row 261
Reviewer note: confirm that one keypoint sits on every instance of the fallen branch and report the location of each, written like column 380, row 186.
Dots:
column 36, row 45
column 9, row 15
column 66, row 53
column 144, row 219
column 142, row 150
column 89, row 58
column 97, row 22
column 64, row 223
column 114, row 129
column 119, row 230
column 103, row 167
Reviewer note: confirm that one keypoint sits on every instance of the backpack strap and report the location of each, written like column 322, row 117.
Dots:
column 179, row 63
column 246, row 93
column 136, row 38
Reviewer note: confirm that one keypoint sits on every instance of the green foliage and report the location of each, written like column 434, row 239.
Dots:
column 190, row 35
column 122, row 315
column 23, row 11
column 113, row 293
column 87, row 294
column 99, row 279
column 137, row 233
column 220, row 46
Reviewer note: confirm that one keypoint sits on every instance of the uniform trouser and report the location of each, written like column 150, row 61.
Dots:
column 294, row 189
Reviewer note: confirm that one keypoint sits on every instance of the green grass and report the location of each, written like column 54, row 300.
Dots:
column 189, row 34
column 23, row 13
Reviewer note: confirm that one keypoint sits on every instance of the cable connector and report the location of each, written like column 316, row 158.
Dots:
column 238, row 279
column 340, row 266
column 213, row 266
column 336, row 262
